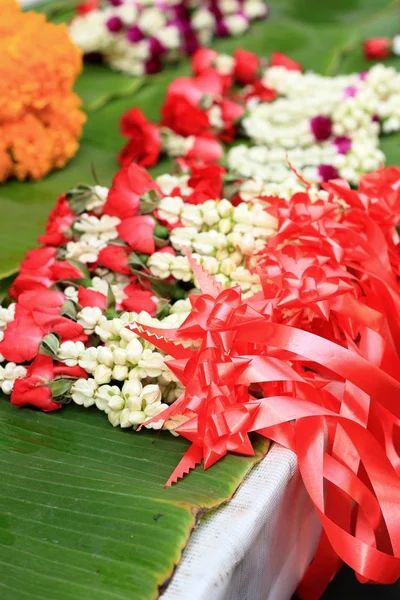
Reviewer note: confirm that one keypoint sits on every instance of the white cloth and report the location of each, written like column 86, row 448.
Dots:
column 257, row 546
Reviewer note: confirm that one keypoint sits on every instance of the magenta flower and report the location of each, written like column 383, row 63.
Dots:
column 114, row 24
column 343, row 144
column 327, row 172
column 350, row 91
column 321, row 126
column 134, row 34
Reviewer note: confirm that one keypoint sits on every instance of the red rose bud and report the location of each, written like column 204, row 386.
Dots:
column 138, row 233
column 377, row 48
column 115, row 258
column 129, row 184
column 91, row 298
column 144, row 146
column 84, row 8
column 247, row 66
column 278, row 59
column 202, row 60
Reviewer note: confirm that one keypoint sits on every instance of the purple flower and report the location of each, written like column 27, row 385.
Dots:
column 327, row 172
column 321, row 126
column 190, row 44
column 153, row 65
column 363, row 75
column 156, row 47
column 343, row 144
column 350, row 91
column 116, row 2
column 221, row 28
column 134, row 34
column 376, row 119
column 114, row 24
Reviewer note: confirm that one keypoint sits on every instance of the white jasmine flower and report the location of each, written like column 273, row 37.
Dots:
column 83, row 391
column 70, row 353
column 134, row 351
column 105, row 356
column 104, row 394
column 85, row 251
column 170, row 209
column 8, row 374
column 151, row 363
column 88, row 359
column 180, row 269
column 160, row 264
column 120, row 372
column 150, row 394
column 103, row 374
column 104, row 228
column 151, row 21
column 89, row 317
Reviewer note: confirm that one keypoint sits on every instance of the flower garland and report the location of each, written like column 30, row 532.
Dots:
column 140, row 36
column 40, row 120
column 299, row 326
column 324, row 127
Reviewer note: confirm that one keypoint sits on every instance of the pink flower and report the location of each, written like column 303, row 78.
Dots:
column 343, row 144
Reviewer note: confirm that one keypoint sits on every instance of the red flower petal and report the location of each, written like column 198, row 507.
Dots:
column 138, row 233
column 91, row 298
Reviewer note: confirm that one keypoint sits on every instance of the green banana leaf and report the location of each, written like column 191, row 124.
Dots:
column 83, row 510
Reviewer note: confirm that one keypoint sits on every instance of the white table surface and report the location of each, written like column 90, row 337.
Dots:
column 257, row 546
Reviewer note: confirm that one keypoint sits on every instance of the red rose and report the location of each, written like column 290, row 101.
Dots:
column 144, row 145
column 115, row 258
column 62, row 269
column 129, row 184
column 278, row 59
column 84, row 8
column 377, row 48
column 204, row 151
column 37, row 313
column 258, row 90
column 91, row 298
column 206, row 182
column 139, row 299
column 34, row 388
column 46, row 301
column 247, row 66
column 202, row 60
column 22, row 337
column 59, row 222
column 35, row 271
column 138, row 233
column 183, row 118
column 231, row 112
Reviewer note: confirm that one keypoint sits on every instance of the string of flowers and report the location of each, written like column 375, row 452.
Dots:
column 40, row 119
column 324, row 127
column 139, row 37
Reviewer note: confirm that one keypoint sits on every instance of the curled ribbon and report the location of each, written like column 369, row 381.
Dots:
column 310, row 362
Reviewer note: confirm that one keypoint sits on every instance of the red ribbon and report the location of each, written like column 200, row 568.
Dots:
column 312, row 363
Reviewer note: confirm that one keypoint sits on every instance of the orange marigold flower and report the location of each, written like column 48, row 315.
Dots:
column 40, row 116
